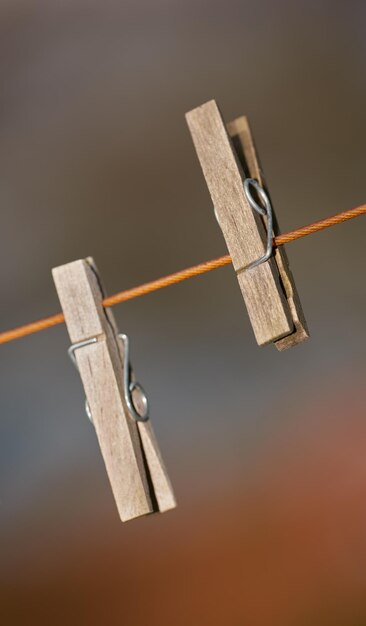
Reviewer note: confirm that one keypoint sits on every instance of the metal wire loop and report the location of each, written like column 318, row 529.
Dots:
column 265, row 211
column 131, row 386
column 71, row 352
column 128, row 386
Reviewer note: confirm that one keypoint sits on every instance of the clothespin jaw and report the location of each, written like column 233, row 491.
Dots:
column 227, row 156
column 138, row 477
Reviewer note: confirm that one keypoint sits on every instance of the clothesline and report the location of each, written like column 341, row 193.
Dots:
column 177, row 277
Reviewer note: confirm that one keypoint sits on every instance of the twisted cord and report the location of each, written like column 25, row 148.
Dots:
column 177, row 277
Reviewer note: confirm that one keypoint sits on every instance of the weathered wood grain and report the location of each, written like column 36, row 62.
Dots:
column 243, row 229
column 244, row 145
column 130, row 452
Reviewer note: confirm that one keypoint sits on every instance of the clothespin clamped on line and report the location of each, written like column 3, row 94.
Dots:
column 230, row 166
column 115, row 403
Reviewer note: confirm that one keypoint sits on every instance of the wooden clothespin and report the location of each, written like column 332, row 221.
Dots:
column 116, row 404
column 230, row 166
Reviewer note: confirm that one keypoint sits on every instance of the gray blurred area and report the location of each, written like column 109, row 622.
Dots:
column 266, row 450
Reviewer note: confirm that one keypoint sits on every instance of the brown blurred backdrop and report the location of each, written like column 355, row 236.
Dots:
column 266, row 450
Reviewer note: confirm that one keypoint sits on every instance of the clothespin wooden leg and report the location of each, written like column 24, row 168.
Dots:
column 136, row 472
column 242, row 138
column 268, row 291
column 163, row 492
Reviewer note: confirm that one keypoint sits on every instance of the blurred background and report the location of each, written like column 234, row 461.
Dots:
column 266, row 451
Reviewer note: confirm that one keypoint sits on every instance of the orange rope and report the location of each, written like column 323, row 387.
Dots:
column 320, row 225
column 172, row 279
